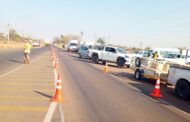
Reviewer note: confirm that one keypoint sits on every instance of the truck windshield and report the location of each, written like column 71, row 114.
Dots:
column 73, row 44
column 169, row 54
column 121, row 50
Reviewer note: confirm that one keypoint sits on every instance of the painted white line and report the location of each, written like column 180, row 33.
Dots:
column 50, row 112
column 18, row 68
column 11, row 71
column 61, row 113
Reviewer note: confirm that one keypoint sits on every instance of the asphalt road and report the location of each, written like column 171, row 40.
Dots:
column 92, row 96
column 26, row 89
column 12, row 58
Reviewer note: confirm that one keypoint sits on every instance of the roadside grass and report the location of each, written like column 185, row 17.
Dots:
column 11, row 44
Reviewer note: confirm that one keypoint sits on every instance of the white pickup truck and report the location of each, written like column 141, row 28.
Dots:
column 110, row 54
column 179, row 76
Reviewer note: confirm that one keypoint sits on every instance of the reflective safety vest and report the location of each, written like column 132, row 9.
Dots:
column 27, row 48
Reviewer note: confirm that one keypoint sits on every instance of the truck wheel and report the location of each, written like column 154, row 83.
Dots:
column 137, row 75
column 138, row 62
column 104, row 62
column 120, row 63
column 95, row 59
column 182, row 89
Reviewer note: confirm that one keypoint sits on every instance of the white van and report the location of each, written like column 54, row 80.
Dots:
column 73, row 45
column 169, row 54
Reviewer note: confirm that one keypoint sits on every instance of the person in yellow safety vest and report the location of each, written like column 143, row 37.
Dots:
column 155, row 55
column 27, row 48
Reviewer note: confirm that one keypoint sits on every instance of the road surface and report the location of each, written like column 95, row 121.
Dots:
column 92, row 96
column 12, row 58
column 26, row 89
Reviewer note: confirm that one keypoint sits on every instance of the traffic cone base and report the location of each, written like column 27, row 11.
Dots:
column 58, row 96
column 58, row 93
column 105, row 70
column 156, row 92
column 156, row 95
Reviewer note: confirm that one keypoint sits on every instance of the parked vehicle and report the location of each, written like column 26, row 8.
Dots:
column 110, row 54
column 83, row 51
column 179, row 76
column 145, row 53
column 170, row 54
column 165, row 54
column 169, row 72
column 73, row 45
column 35, row 44
column 152, row 68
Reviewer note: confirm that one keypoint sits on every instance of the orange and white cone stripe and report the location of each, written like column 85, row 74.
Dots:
column 58, row 93
column 156, row 92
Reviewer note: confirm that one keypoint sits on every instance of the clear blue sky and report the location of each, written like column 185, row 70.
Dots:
column 155, row 23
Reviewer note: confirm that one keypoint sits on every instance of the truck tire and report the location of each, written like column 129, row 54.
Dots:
column 104, row 62
column 95, row 58
column 182, row 89
column 120, row 62
column 137, row 62
column 137, row 74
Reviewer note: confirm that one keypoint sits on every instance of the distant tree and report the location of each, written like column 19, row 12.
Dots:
column 57, row 40
column 14, row 36
column 64, row 39
column 73, row 37
column 2, row 37
column 147, row 48
column 101, row 41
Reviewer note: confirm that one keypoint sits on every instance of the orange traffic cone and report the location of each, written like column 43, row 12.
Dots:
column 53, row 56
column 105, row 70
column 156, row 92
column 58, row 93
column 56, row 63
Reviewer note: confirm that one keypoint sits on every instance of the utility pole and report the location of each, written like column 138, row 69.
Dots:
column 81, row 36
column 8, row 34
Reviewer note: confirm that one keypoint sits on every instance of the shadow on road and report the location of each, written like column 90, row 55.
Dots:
column 20, row 62
column 43, row 94
column 146, row 86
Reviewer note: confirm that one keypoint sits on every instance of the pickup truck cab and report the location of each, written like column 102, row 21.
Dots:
column 111, row 54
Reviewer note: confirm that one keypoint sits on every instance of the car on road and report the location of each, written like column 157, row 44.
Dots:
column 73, row 45
column 35, row 44
column 83, row 51
column 111, row 54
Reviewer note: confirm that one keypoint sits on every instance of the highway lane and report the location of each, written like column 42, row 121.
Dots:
column 12, row 58
column 91, row 95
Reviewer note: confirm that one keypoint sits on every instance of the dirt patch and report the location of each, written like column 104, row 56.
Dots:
column 11, row 44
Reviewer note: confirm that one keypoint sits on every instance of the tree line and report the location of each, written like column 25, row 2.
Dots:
column 16, row 37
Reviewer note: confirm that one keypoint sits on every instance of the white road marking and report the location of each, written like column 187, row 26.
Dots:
column 61, row 113
column 50, row 112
